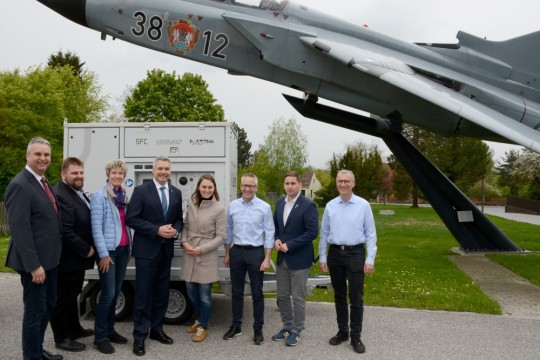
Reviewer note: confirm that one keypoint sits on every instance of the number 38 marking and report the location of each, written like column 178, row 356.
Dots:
column 153, row 30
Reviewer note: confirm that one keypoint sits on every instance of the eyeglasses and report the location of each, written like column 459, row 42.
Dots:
column 244, row 186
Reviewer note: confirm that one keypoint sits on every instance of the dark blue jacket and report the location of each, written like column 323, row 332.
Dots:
column 145, row 216
column 298, row 233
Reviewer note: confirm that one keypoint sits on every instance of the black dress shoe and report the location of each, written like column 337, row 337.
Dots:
column 104, row 346
column 138, row 348
column 82, row 334
column 340, row 337
column 161, row 337
column 258, row 337
column 45, row 355
column 233, row 332
column 358, row 346
column 70, row 345
column 117, row 338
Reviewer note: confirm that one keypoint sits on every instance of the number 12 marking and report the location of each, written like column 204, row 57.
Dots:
column 223, row 41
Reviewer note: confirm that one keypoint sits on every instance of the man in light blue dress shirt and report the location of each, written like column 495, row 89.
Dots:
column 347, row 227
column 249, row 244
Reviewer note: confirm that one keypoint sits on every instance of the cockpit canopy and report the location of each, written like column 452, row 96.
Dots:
column 274, row 5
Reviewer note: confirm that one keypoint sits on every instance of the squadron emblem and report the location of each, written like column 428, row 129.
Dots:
column 183, row 35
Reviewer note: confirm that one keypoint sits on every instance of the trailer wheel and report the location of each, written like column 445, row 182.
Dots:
column 180, row 309
column 124, row 303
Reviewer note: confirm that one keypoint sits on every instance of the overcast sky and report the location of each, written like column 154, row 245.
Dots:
column 30, row 32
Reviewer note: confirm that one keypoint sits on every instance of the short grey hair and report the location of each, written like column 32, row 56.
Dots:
column 251, row 175
column 161, row 158
column 37, row 140
column 116, row 164
column 344, row 171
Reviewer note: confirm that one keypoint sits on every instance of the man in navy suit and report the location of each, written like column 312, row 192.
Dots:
column 35, row 245
column 155, row 213
column 297, row 223
column 77, row 255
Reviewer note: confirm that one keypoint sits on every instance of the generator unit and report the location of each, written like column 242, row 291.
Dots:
column 194, row 149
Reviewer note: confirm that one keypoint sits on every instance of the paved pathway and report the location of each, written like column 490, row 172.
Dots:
column 517, row 296
column 499, row 211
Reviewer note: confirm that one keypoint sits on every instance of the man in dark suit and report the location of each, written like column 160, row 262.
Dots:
column 297, row 223
column 35, row 245
column 77, row 255
column 155, row 213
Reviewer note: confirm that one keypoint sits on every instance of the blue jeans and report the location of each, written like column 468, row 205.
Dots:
column 39, row 301
column 111, row 285
column 201, row 299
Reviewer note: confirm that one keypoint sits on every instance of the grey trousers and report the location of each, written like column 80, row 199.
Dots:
column 291, row 296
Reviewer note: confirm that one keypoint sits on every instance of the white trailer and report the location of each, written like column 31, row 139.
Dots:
column 194, row 149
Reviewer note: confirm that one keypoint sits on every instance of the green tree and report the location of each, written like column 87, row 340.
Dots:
column 463, row 160
column 329, row 189
column 36, row 103
column 285, row 147
column 163, row 96
column 259, row 166
column 506, row 178
column 366, row 164
column 68, row 59
column 402, row 183
column 323, row 175
column 244, row 146
column 528, row 169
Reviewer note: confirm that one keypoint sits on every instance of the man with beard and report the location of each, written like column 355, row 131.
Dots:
column 77, row 255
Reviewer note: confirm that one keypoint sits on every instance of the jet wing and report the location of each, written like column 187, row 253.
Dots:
column 400, row 75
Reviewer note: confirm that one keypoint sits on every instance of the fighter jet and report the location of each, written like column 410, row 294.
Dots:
column 475, row 87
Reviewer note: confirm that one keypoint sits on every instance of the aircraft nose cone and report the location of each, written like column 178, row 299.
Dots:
column 74, row 10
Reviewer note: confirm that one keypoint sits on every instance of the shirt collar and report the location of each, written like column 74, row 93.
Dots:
column 351, row 200
column 251, row 201
column 293, row 200
column 158, row 185
column 36, row 175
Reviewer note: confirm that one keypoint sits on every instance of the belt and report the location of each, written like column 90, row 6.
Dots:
column 345, row 247
column 247, row 247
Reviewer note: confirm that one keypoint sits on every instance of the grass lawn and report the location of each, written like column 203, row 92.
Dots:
column 526, row 236
column 412, row 269
column 4, row 242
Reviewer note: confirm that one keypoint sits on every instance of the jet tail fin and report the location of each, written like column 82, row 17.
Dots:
column 522, row 52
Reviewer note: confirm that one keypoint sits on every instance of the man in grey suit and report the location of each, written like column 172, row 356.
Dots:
column 297, row 222
column 35, row 245
column 155, row 213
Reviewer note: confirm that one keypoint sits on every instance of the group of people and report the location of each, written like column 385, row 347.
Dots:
column 57, row 233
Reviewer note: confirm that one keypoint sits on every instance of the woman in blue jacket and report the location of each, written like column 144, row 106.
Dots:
column 112, row 239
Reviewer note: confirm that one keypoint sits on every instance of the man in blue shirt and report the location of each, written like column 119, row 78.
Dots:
column 347, row 227
column 250, row 239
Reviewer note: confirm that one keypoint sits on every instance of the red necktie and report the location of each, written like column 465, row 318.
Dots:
column 49, row 193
